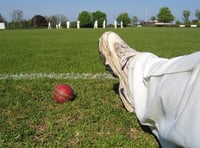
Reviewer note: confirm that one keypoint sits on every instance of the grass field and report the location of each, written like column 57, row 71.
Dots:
column 96, row 118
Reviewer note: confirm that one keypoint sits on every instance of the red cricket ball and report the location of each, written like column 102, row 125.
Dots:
column 63, row 93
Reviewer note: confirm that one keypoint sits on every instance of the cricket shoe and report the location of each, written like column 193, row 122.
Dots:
column 116, row 55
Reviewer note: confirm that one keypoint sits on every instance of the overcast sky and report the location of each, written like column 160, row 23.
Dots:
column 143, row 9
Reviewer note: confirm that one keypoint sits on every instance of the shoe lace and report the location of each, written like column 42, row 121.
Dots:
column 124, row 53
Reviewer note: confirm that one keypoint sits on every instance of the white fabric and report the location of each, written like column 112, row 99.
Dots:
column 166, row 95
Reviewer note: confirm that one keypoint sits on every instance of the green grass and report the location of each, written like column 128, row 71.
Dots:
column 29, row 116
column 96, row 118
column 49, row 51
column 74, row 50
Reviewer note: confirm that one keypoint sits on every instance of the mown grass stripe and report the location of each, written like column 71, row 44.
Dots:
column 56, row 76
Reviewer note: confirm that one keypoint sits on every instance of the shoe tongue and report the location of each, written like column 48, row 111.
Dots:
column 126, row 57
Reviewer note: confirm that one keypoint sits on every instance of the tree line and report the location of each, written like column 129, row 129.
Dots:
column 87, row 19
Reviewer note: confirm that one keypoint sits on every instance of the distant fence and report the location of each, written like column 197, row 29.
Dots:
column 192, row 26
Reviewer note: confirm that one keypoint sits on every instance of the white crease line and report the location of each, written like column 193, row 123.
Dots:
column 56, row 76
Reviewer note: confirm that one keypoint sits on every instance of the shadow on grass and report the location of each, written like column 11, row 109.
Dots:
column 116, row 88
column 145, row 128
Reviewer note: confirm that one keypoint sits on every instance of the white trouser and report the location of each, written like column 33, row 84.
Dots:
column 166, row 96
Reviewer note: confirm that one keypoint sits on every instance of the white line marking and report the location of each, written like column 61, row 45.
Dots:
column 56, row 76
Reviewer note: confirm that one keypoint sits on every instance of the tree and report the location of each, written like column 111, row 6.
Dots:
column 60, row 18
column 124, row 18
column 197, row 14
column 153, row 18
column 165, row 15
column 52, row 20
column 135, row 20
column 85, row 19
column 99, row 16
column 17, row 18
column 38, row 21
column 178, row 22
column 2, row 19
column 186, row 14
column 56, row 19
column 17, row 15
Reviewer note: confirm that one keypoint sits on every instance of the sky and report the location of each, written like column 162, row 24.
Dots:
column 143, row 9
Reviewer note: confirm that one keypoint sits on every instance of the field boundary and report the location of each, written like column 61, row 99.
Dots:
column 31, row 76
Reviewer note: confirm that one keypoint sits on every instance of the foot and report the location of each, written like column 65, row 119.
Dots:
column 116, row 55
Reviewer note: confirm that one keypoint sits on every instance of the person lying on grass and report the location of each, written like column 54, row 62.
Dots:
column 163, row 93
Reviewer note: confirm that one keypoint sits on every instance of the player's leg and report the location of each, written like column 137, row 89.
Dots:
column 116, row 55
